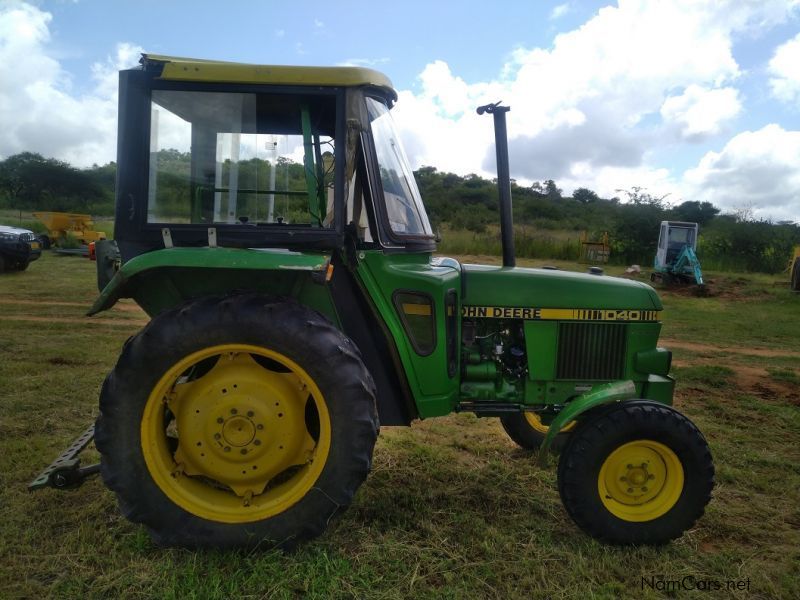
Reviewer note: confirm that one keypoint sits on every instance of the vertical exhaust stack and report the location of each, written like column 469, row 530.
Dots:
column 503, row 179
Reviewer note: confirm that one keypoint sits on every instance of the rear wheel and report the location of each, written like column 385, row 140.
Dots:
column 236, row 422
column 528, row 430
column 796, row 276
column 638, row 473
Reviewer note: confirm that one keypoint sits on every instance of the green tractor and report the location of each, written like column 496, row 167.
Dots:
column 268, row 221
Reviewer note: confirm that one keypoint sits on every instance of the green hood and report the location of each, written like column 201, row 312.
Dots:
column 545, row 288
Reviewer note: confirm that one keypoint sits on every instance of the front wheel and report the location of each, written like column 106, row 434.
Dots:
column 235, row 422
column 638, row 473
column 528, row 430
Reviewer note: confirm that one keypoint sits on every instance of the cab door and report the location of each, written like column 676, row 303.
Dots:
column 418, row 297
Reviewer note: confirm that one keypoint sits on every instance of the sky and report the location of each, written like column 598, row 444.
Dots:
column 685, row 98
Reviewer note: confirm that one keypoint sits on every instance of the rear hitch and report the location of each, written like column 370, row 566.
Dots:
column 66, row 472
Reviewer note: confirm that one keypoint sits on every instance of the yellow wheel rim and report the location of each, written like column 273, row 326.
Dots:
column 535, row 421
column 235, row 433
column 640, row 481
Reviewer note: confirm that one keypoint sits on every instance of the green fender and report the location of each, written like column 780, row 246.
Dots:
column 600, row 394
column 163, row 278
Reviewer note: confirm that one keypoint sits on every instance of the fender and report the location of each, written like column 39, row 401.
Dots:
column 600, row 394
column 163, row 278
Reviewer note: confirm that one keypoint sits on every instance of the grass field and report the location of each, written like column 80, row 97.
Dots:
column 452, row 509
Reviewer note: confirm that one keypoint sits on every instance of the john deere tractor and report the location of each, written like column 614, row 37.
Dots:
column 268, row 221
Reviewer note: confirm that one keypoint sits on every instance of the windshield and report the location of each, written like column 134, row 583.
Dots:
column 403, row 202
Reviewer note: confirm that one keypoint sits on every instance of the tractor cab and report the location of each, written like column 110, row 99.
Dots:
column 284, row 157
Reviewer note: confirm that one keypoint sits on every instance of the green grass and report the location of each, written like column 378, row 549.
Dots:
column 452, row 508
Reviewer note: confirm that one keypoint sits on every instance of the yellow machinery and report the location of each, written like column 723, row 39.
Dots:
column 61, row 225
column 595, row 251
column 794, row 269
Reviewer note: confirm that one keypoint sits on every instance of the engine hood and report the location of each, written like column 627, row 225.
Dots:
column 546, row 288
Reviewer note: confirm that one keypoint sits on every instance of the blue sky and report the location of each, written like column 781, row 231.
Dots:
column 700, row 100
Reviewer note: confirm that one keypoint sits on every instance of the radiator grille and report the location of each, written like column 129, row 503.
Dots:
column 591, row 351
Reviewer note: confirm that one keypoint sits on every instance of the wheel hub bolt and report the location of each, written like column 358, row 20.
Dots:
column 227, row 448
column 250, row 413
column 220, row 420
column 257, row 442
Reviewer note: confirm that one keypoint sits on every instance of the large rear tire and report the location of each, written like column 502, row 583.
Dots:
column 236, row 421
column 637, row 473
column 796, row 275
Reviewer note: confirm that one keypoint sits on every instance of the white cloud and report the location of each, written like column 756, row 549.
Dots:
column 785, row 70
column 758, row 168
column 38, row 109
column 559, row 11
column 699, row 113
column 362, row 62
column 587, row 110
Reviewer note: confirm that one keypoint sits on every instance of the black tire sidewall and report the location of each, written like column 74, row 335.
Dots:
column 594, row 441
column 324, row 353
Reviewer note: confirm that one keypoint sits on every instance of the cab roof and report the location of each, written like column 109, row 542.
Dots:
column 195, row 69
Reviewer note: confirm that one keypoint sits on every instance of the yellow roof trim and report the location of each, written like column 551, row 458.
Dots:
column 194, row 69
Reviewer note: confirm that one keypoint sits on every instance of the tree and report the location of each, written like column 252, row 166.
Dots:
column 30, row 181
column 694, row 212
column 585, row 195
column 639, row 195
column 551, row 190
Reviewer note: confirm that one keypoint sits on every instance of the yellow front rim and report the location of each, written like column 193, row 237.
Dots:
column 535, row 421
column 640, row 481
column 235, row 433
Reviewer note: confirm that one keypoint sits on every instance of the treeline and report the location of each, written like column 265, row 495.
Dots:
column 544, row 216
column 29, row 181
column 548, row 223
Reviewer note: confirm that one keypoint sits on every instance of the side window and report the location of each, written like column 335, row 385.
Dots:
column 418, row 318
column 241, row 158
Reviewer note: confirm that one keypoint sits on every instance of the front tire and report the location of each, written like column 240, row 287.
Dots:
column 528, row 431
column 638, row 473
column 237, row 421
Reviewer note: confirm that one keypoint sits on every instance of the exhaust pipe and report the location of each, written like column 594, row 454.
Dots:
column 503, row 180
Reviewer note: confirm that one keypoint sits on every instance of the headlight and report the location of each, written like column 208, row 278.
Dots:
column 9, row 236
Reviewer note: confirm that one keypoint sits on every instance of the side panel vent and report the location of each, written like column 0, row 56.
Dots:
column 591, row 351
